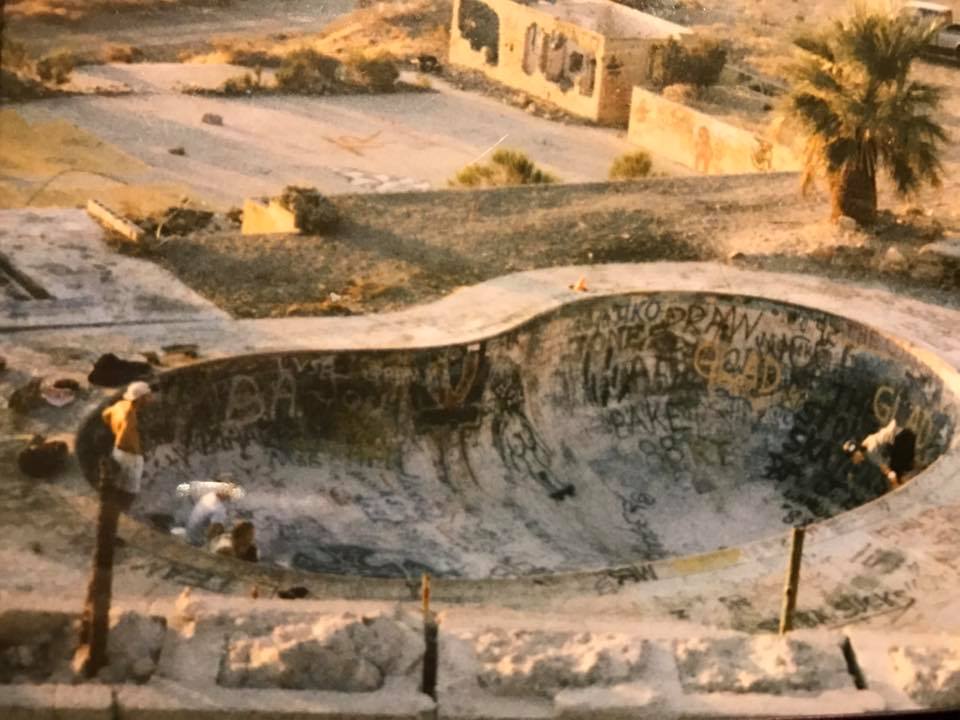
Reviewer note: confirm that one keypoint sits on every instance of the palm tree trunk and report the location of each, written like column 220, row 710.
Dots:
column 853, row 192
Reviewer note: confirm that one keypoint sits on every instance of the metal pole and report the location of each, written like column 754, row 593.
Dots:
column 431, row 650
column 793, row 581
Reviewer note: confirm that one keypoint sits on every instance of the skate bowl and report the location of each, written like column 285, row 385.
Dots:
column 621, row 429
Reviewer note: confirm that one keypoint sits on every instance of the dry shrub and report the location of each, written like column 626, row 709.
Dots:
column 308, row 72
column 314, row 213
column 254, row 58
column 506, row 167
column 631, row 166
column 699, row 64
column 377, row 74
column 56, row 68
column 123, row 54
column 245, row 84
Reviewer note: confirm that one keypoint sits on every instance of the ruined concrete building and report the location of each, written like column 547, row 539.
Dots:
column 583, row 55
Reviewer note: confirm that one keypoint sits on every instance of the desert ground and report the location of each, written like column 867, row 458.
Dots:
column 112, row 137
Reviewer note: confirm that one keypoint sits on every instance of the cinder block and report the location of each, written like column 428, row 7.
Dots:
column 266, row 219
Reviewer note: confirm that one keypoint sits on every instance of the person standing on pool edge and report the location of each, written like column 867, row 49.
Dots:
column 120, row 476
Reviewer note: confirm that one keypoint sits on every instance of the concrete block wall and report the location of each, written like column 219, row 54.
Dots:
column 525, row 666
column 704, row 142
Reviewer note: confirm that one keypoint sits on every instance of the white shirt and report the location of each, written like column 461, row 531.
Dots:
column 873, row 444
column 209, row 509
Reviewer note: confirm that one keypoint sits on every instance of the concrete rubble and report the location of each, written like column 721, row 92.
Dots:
column 345, row 653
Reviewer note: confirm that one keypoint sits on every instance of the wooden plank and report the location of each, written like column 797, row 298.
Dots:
column 114, row 222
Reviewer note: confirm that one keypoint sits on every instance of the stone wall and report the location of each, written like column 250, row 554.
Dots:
column 703, row 142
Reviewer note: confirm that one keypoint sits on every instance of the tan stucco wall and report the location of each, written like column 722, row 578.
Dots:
column 611, row 94
column 701, row 141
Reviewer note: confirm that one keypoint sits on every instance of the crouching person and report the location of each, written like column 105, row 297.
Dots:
column 892, row 449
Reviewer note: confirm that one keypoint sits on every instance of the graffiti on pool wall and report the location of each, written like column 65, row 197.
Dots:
column 519, row 445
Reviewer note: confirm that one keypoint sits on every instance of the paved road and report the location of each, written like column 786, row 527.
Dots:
column 385, row 143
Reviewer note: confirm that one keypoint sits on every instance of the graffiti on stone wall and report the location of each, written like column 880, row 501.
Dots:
column 559, row 60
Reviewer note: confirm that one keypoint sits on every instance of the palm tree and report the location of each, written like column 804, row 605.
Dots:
column 853, row 95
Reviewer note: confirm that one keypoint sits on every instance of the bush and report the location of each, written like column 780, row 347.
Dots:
column 506, row 167
column 123, row 54
column 378, row 73
column 699, row 64
column 308, row 72
column 15, row 56
column 313, row 212
column 242, row 85
column 631, row 166
column 55, row 68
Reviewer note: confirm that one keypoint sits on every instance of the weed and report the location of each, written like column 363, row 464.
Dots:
column 631, row 166
column 56, row 68
column 506, row 167
column 699, row 64
column 308, row 72
column 377, row 74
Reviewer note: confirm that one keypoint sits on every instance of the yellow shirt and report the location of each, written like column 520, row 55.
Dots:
column 121, row 418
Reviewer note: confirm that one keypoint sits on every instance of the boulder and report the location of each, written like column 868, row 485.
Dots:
column 211, row 119
column 111, row 371
column 42, row 458
column 133, row 646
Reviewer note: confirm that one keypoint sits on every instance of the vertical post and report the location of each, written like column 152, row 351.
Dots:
column 792, row 582
column 430, row 652
column 425, row 593
column 94, row 626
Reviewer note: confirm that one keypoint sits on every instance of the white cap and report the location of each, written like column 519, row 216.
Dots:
column 136, row 390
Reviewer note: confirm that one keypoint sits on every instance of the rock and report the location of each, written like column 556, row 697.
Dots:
column 342, row 653
column 142, row 669
column 759, row 664
column 42, row 458
column 531, row 108
column 3, row 364
column 294, row 593
column 179, row 150
column 930, row 676
column 133, row 645
column 188, row 349
column 27, row 397
column 314, row 214
column 427, row 63
column 58, row 396
column 894, row 260
column 521, row 663
column 847, row 223
column 211, row 119
column 111, row 371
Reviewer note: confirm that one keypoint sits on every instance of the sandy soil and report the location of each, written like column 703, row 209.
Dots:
column 398, row 250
